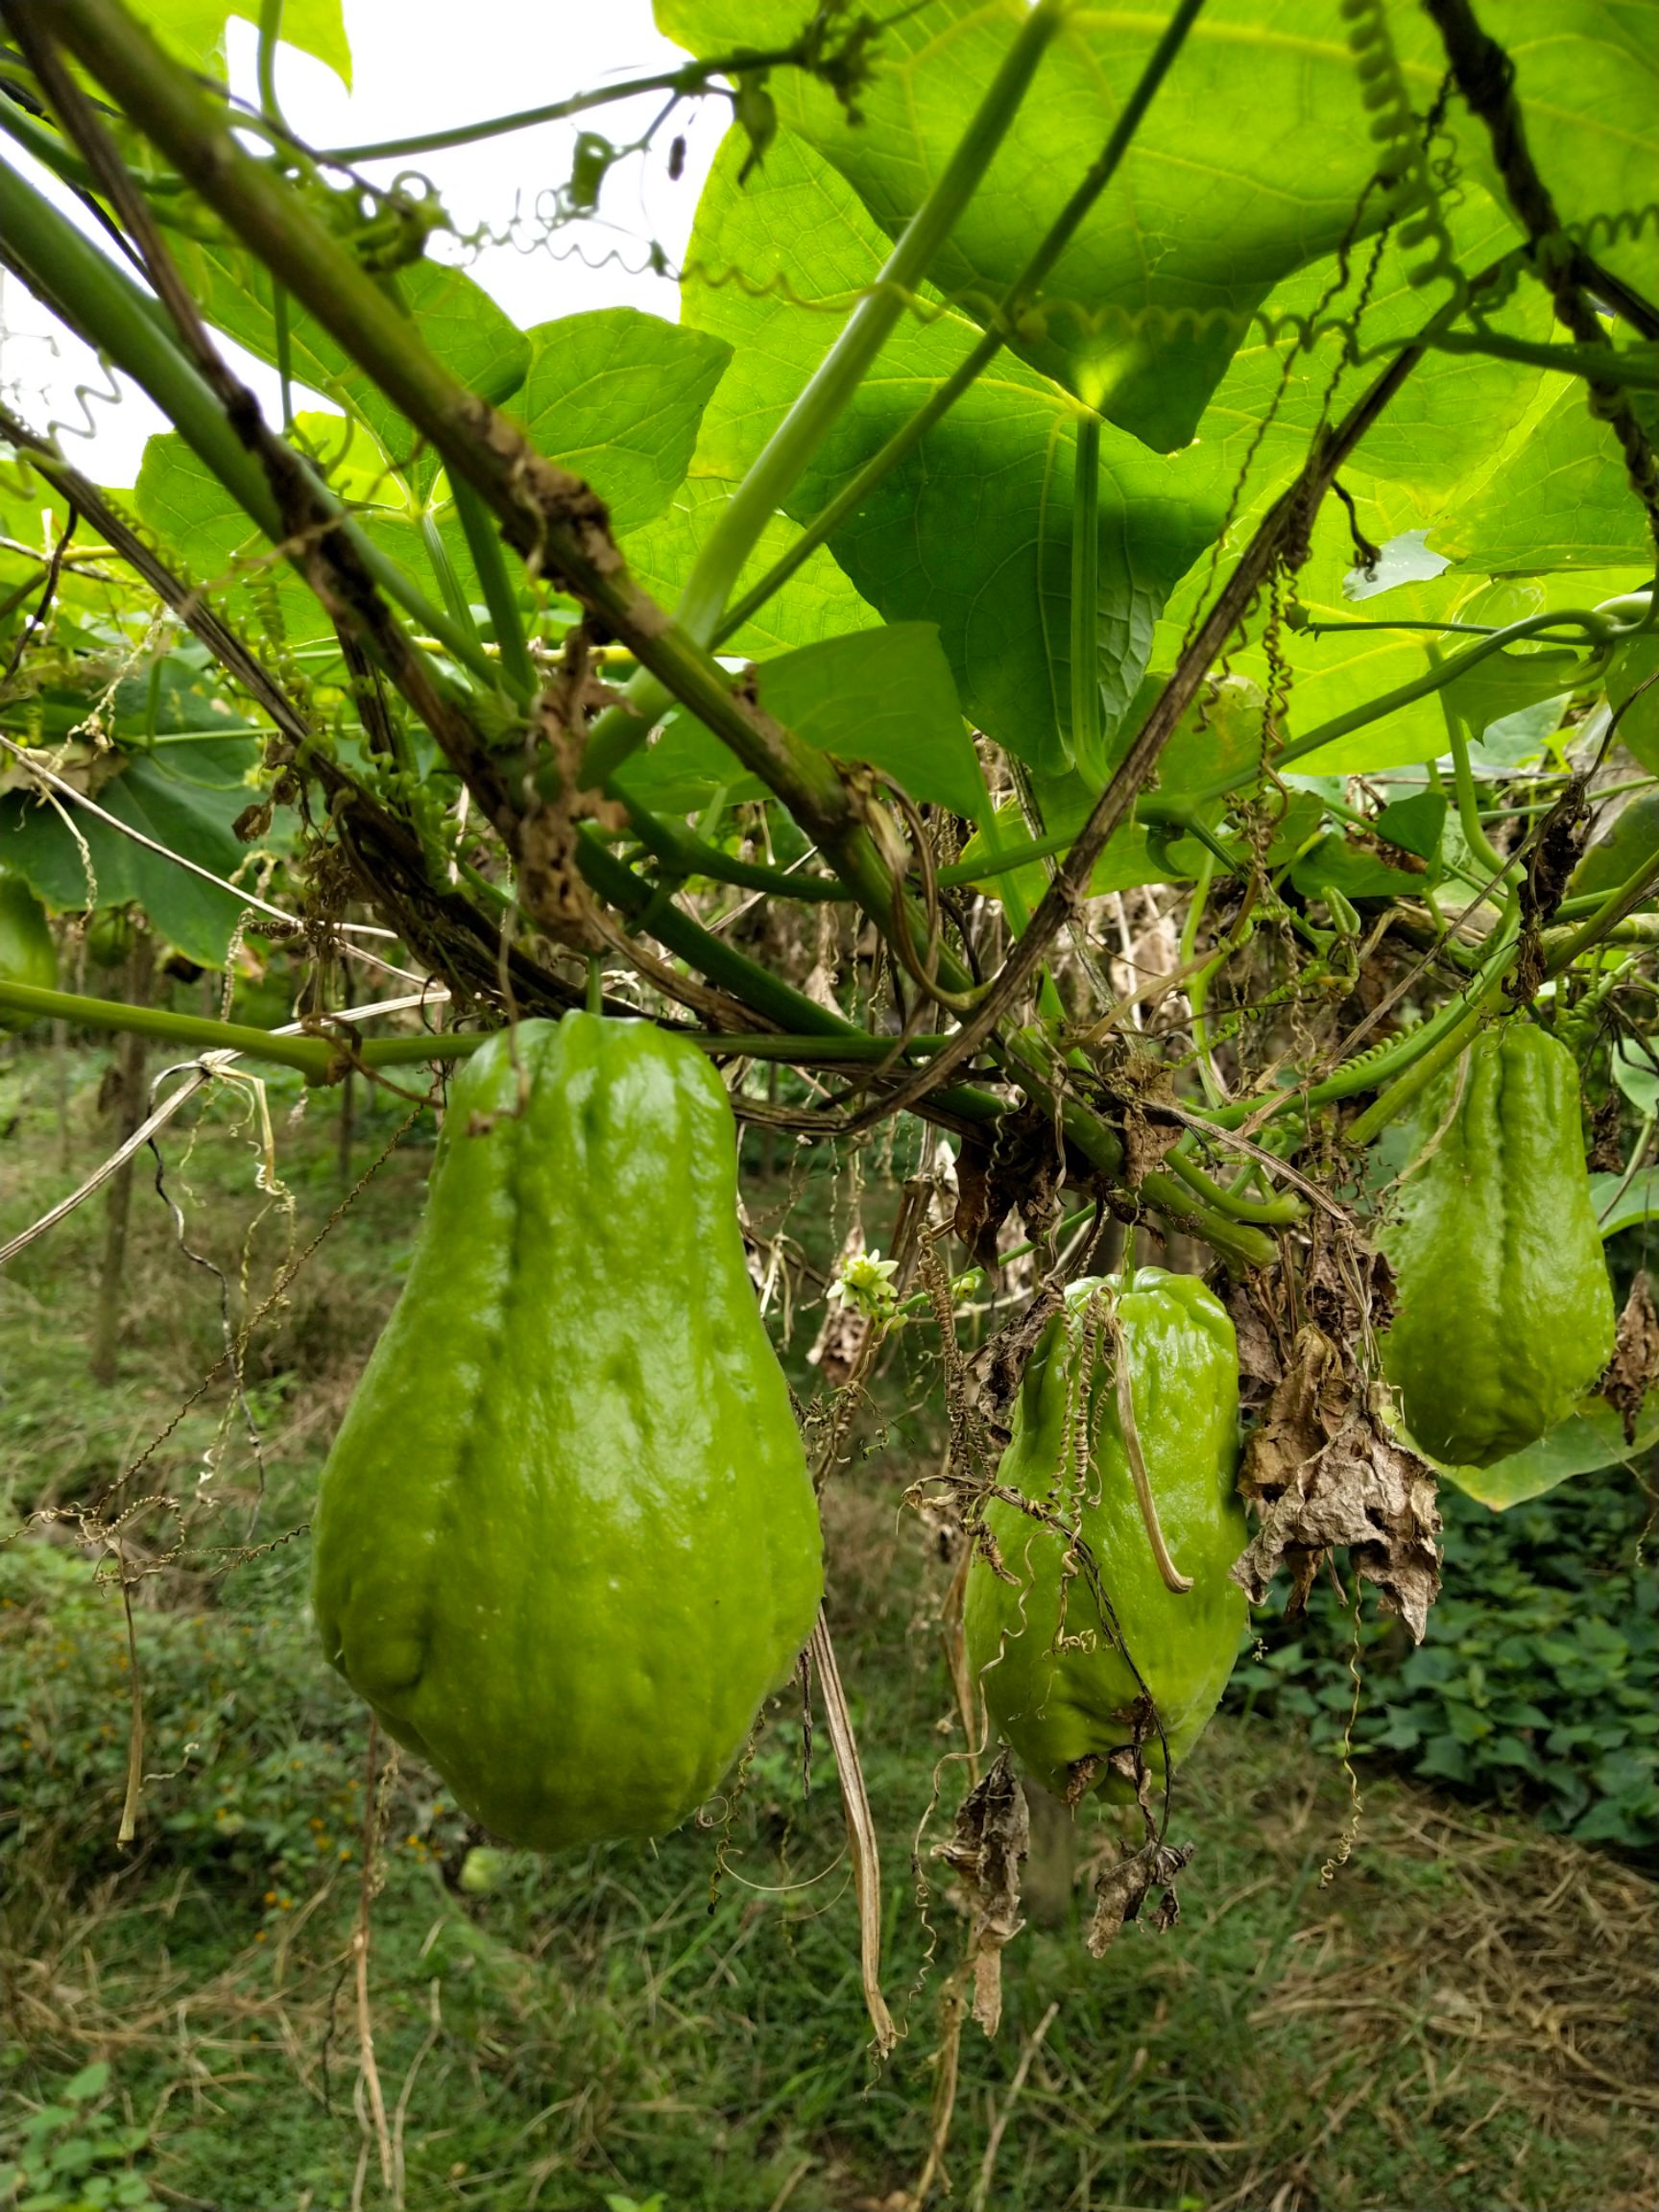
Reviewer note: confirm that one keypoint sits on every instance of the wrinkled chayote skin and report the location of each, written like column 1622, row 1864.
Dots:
column 1057, row 1706
column 565, row 1541
column 27, row 952
column 1504, row 1312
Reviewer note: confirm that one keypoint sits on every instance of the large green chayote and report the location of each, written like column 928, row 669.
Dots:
column 1061, row 1681
column 567, row 1541
column 1503, row 1315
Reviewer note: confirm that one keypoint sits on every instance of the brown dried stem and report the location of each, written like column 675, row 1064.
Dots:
column 861, row 1839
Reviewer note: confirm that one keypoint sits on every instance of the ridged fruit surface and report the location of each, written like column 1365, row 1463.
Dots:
column 27, row 952
column 565, row 1541
column 1055, row 1684
column 1504, row 1312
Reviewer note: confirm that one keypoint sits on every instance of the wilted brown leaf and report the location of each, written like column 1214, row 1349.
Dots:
column 1322, row 1471
column 992, row 1376
column 1634, row 1367
column 992, row 1838
column 1120, row 1890
column 1605, row 1155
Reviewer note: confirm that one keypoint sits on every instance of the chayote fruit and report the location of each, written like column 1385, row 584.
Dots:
column 110, row 936
column 1057, row 1677
column 27, row 952
column 1504, row 1312
column 565, row 1541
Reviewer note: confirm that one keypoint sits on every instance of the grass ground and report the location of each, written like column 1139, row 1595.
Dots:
column 1461, row 2018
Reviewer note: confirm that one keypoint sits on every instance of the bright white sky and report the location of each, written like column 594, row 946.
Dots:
column 422, row 65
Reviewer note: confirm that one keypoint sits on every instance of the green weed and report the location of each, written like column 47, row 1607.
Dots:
column 1537, row 1683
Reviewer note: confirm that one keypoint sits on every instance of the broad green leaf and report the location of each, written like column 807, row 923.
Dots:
column 350, row 461
column 32, row 516
column 1587, row 73
column 685, row 770
column 1358, row 659
column 973, row 531
column 1558, row 499
column 883, row 696
column 1590, row 1438
column 1637, row 1077
column 1631, row 842
column 1633, row 667
column 178, row 699
column 1625, row 1205
column 1252, row 160
column 195, row 30
column 1201, row 224
column 1414, row 824
column 31, row 513
column 218, row 548
column 455, row 317
column 818, row 601
column 1219, row 734
column 616, row 397
column 185, row 799
column 1337, row 863
column 1439, row 433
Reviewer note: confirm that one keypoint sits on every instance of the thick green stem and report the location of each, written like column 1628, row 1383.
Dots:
column 1486, row 855
column 1596, row 631
column 269, row 36
column 779, row 466
column 44, row 144
column 1199, row 978
column 1002, row 859
column 815, row 412
column 1600, row 364
column 1236, row 1241
column 690, row 855
column 311, row 1055
column 1607, row 916
column 1441, row 1053
column 1277, row 1212
column 483, row 544
column 319, row 1060
column 695, row 78
column 444, row 568
column 854, row 494
column 96, row 299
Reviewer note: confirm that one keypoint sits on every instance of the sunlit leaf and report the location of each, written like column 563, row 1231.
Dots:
column 1561, row 500
column 972, row 530
column 818, row 601
column 195, row 30
column 616, row 398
